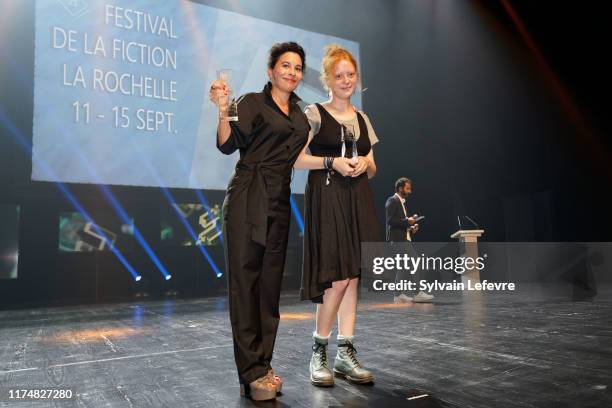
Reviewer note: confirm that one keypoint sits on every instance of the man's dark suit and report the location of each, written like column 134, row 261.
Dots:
column 396, row 221
column 397, row 226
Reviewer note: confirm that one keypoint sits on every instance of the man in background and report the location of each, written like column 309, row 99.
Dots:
column 400, row 228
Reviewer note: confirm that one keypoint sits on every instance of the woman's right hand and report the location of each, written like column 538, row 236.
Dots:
column 217, row 90
column 344, row 166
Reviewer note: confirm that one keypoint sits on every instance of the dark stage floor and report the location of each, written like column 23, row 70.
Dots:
column 499, row 350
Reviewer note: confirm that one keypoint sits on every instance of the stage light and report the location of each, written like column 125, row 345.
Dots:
column 27, row 147
column 123, row 215
column 296, row 214
column 189, row 229
column 168, row 277
column 172, row 201
column 562, row 93
column 95, row 334
column 138, row 278
column 297, row 316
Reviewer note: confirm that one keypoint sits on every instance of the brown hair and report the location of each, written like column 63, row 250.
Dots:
column 334, row 54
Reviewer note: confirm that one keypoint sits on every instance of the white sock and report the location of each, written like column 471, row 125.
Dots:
column 318, row 336
column 342, row 337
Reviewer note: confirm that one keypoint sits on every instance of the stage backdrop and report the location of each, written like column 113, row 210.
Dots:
column 121, row 89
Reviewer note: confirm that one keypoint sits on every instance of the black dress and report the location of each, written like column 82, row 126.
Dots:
column 256, row 215
column 339, row 216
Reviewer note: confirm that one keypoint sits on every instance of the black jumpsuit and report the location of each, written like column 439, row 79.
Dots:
column 256, row 215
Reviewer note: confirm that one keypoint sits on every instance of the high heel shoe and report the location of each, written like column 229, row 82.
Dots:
column 276, row 380
column 259, row 390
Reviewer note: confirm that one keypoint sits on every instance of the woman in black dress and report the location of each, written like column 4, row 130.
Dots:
column 339, row 216
column 270, row 133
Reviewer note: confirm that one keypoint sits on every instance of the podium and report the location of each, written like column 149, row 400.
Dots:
column 468, row 243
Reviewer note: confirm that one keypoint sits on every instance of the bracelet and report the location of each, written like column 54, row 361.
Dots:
column 328, row 162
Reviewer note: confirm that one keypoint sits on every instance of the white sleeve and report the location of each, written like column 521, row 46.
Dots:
column 314, row 120
column 371, row 133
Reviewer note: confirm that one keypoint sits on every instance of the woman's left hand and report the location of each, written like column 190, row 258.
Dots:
column 362, row 166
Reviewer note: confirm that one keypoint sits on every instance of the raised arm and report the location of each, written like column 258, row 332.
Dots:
column 217, row 90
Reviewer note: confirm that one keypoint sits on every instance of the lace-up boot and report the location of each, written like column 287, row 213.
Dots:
column 346, row 364
column 320, row 374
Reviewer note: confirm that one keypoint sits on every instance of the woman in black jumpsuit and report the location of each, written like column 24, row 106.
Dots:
column 270, row 133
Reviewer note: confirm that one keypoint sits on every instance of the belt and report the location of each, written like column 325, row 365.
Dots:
column 257, row 201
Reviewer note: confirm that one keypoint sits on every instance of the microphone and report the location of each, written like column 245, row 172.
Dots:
column 473, row 222
column 468, row 218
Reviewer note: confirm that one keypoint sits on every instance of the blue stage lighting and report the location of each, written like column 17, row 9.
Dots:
column 23, row 143
column 126, row 219
column 190, row 231
column 105, row 190
column 172, row 202
column 296, row 214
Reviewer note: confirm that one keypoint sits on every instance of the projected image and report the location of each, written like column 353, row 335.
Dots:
column 9, row 241
column 129, row 80
column 77, row 234
column 191, row 224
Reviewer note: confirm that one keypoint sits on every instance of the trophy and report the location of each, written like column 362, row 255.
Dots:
column 347, row 137
column 228, row 107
